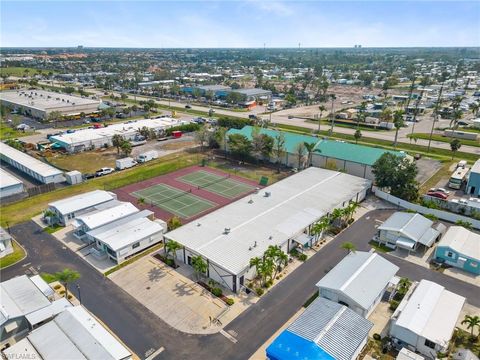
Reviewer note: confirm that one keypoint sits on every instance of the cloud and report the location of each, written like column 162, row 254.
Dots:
column 278, row 8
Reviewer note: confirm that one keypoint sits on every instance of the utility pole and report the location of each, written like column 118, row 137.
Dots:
column 417, row 103
column 435, row 115
column 79, row 294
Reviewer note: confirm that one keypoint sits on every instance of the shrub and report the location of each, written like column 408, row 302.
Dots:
column 217, row 291
column 394, row 304
column 268, row 283
column 302, row 257
column 259, row 291
column 377, row 337
column 70, row 297
column 183, row 128
column 229, row 301
column 57, row 287
column 62, row 292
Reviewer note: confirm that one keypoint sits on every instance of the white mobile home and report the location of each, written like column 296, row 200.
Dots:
column 280, row 214
column 358, row 281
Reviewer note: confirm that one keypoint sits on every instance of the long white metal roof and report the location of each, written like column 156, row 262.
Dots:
column 257, row 221
column 431, row 312
column 82, row 201
column 128, row 230
column 463, row 241
column 97, row 218
column 7, row 179
column 44, row 100
column 361, row 276
column 85, row 135
column 28, row 161
column 413, row 226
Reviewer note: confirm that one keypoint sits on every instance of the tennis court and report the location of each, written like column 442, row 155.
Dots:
column 218, row 184
column 179, row 202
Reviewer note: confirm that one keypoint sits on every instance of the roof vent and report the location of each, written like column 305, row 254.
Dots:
column 267, row 194
column 198, row 224
column 250, row 248
column 250, row 201
column 226, row 231
column 270, row 237
column 255, row 244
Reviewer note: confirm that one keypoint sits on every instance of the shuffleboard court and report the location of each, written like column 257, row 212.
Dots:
column 218, row 184
column 179, row 202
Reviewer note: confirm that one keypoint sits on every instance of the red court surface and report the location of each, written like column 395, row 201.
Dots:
column 172, row 179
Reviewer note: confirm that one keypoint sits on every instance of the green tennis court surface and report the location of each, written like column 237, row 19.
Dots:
column 218, row 184
column 173, row 200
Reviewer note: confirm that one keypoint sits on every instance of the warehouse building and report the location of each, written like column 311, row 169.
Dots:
column 123, row 238
column 255, row 94
column 325, row 330
column 72, row 334
column 460, row 248
column 40, row 103
column 25, row 302
column 280, row 214
column 358, row 281
column 90, row 139
column 9, row 184
column 66, row 210
column 27, row 164
column 353, row 159
column 425, row 319
column 409, row 231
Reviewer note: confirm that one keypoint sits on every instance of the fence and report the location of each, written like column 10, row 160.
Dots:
column 444, row 215
column 40, row 189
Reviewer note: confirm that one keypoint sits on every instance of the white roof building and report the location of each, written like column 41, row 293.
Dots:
column 9, row 184
column 425, row 319
column 74, row 334
column 359, row 281
column 35, row 168
column 229, row 237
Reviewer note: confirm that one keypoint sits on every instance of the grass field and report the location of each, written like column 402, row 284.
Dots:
column 17, row 255
column 445, row 139
column 20, row 71
column 6, row 132
column 173, row 200
column 85, row 162
column 221, row 185
column 24, row 210
column 441, row 154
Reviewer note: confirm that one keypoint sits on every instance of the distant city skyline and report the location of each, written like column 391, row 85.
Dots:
column 240, row 24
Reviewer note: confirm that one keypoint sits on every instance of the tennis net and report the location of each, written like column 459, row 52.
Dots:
column 216, row 181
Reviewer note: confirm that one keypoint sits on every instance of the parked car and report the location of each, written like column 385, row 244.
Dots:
column 253, row 117
column 442, row 190
column 199, row 120
column 70, row 131
column 104, row 171
column 88, row 176
column 188, row 106
column 438, row 195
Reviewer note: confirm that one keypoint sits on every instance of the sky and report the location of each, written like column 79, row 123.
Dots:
column 247, row 23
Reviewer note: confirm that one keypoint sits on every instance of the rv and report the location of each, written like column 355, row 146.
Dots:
column 147, row 156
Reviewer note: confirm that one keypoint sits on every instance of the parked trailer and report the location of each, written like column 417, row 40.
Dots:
column 125, row 163
column 147, row 156
column 461, row 134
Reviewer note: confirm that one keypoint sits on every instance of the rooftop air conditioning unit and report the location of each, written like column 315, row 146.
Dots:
column 267, row 194
column 226, row 231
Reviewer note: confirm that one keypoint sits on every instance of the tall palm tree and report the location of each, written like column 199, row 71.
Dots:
column 172, row 247
column 350, row 247
column 398, row 123
column 65, row 277
column 332, row 115
column 472, row 322
column 474, row 108
column 322, row 108
column 403, row 285
column 199, row 266
column 361, row 113
column 309, row 147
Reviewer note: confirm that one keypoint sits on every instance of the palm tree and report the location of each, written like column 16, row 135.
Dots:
column 350, row 247
column 337, row 213
column 357, row 135
column 141, row 201
column 173, row 223
column 474, row 108
column 65, row 277
column 455, row 145
column 398, row 123
column 332, row 99
column 322, row 108
column 361, row 113
column 472, row 322
column 403, row 285
column 350, row 210
column 117, row 141
column 171, row 247
column 199, row 266
column 309, row 147
column 319, row 227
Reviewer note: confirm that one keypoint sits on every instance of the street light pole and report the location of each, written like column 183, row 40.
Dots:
column 435, row 116
column 79, row 294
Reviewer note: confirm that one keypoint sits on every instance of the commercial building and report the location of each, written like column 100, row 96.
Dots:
column 460, row 248
column 358, row 281
column 350, row 158
column 408, row 231
column 6, row 246
column 425, row 319
column 102, row 215
column 89, row 139
column 325, row 330
column 73, row 334
column 281, row 214
column 123, row 238
column 255, row 94
column 32, row 167
column 40, row 103
column 9, row 184
column 473, row 184
column 64, row 211
column 24, row 304
column 219, row 91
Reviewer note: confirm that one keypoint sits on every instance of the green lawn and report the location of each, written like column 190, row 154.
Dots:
column 20, row 71
column 326, row 124
column 436, row 137
column 441, row 154
column 24, row 210
column 6, row 132
column 379, row 247
column 52, row 228
column 17, row 255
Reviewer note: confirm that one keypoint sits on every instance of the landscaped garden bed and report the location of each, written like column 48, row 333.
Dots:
column 166, row 260
column 214, row 290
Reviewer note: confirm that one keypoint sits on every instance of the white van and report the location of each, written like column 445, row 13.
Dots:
column 147, row 156
column 125, row 163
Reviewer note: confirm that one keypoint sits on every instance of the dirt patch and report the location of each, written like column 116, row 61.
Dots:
column 178, row 145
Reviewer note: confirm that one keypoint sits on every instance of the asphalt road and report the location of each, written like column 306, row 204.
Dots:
column 141, row 330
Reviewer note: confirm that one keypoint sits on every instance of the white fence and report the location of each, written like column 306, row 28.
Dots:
column 444, row 215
